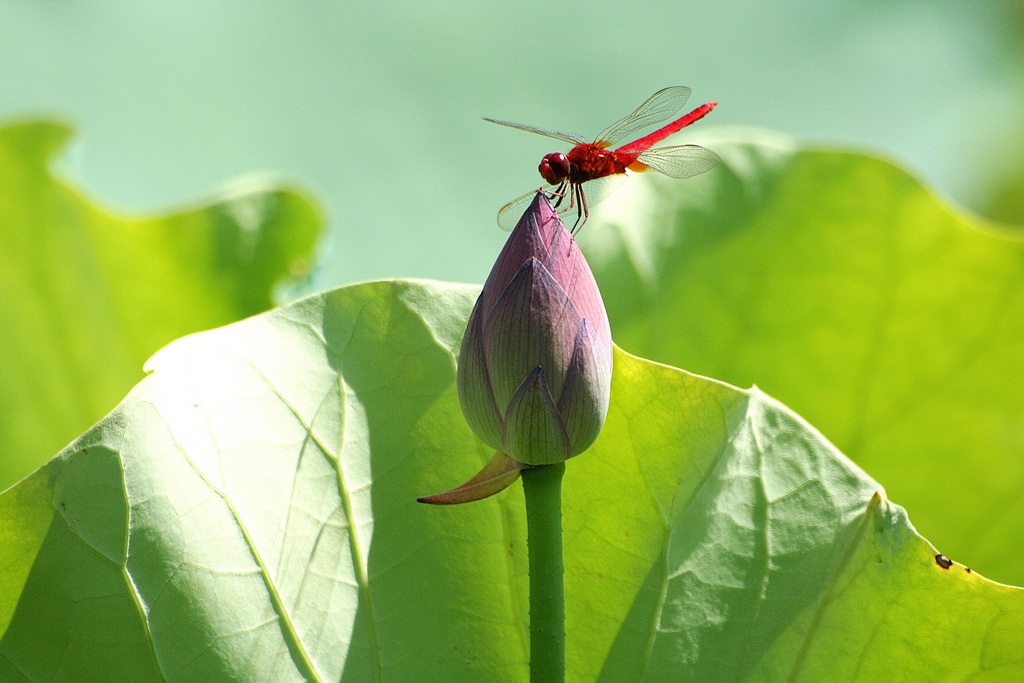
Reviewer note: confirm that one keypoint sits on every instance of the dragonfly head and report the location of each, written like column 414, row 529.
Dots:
column 554, row 167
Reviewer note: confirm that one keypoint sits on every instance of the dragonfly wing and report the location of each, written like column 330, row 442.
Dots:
column 571, row 138
column 565, row 206
column 574, row 207
column 600, row 188
column 681, row 161
column 509, row 215
column 658, row 107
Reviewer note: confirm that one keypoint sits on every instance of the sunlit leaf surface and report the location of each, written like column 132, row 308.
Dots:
column 840, row 285
column 86, row 294
column 248, row 513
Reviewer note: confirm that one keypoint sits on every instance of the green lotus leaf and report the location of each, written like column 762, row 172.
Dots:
column 841, row 285
column 87, row 294
column 248, row 513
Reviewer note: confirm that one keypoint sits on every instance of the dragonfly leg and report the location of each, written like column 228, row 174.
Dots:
column 565, row 189
column 579, row 200
column 559, row 192
column 582, row 210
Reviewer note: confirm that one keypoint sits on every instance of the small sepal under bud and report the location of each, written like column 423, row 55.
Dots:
column 497, row 475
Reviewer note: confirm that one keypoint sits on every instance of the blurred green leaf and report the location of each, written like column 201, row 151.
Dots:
column 248, row 513
column 87, row 295
column 1005, row 201
column 838, row 283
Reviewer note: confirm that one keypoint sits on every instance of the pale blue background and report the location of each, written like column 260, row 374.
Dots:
column 376, row 107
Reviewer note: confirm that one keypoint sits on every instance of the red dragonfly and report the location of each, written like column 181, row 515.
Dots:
column 591, row 170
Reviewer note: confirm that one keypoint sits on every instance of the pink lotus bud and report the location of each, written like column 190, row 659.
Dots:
column 536, row 362
column 535, row 368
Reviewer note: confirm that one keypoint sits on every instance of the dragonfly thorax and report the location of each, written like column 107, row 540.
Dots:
column 592, row 161
column 554, row 167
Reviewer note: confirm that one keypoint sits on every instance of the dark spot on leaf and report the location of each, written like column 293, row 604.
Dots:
column 968, row 570
column 943, row 561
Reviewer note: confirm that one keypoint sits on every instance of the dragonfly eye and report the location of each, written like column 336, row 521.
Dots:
column 554, row 167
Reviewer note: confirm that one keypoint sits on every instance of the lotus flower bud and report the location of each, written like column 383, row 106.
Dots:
column 536, row 362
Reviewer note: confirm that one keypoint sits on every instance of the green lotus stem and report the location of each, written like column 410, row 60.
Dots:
column 543, row 488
